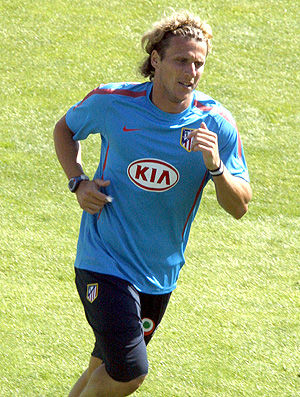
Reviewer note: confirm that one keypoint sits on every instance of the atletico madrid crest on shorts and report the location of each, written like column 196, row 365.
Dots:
column 184, row 141
column 92, row 292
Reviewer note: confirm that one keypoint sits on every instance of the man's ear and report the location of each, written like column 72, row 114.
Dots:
column 155, row 58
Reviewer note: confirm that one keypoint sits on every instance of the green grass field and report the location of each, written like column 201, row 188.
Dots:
column 232, row 327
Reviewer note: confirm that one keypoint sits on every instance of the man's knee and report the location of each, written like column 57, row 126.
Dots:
column 134, row 384
column 101, row 384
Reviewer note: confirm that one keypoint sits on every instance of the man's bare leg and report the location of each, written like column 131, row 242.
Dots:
column 83, row 380
column 95, row 382
column 101, row 384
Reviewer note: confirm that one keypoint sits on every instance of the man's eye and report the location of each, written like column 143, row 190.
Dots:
column 198, row 65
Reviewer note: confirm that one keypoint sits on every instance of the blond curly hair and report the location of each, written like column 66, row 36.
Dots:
column 181, row 23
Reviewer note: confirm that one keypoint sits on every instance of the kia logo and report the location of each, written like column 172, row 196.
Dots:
column 153, row 175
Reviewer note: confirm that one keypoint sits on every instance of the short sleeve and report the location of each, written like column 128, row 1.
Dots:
column 87, row 117
column 231, row 149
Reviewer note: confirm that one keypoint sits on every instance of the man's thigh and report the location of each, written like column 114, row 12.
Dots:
column 113, row 310
column 153, row 308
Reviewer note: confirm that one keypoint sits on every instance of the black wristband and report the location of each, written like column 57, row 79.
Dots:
column 219, row 171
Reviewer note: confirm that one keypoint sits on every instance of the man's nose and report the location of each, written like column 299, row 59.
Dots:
column 191, row 70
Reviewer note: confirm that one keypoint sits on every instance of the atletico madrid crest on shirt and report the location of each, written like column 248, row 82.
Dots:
column 184, row 141
column 92, row 292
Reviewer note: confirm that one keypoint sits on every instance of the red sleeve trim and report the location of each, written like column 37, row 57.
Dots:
column 225, row 116
column 105, row 91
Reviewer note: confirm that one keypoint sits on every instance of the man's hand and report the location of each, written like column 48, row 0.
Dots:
column 206, row 141
column 90, row 198
column 233, row 193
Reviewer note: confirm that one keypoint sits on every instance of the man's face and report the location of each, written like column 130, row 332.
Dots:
column 178, row 73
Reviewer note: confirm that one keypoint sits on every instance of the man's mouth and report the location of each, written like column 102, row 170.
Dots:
column 186, row 85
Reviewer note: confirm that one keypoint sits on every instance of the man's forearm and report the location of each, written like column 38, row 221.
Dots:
column 68, row 151
column 233, row 194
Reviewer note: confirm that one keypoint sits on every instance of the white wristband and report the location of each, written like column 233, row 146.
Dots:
column 219, row 171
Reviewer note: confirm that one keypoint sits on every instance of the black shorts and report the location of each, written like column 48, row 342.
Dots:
column 123, row 321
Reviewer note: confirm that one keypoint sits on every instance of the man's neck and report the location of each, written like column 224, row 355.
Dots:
column 169, row 106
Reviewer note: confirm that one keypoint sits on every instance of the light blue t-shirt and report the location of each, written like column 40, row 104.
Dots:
column 156, row 181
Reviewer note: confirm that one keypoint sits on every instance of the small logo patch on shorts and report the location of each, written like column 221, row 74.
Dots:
column 92, row 292
column 148, row 326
